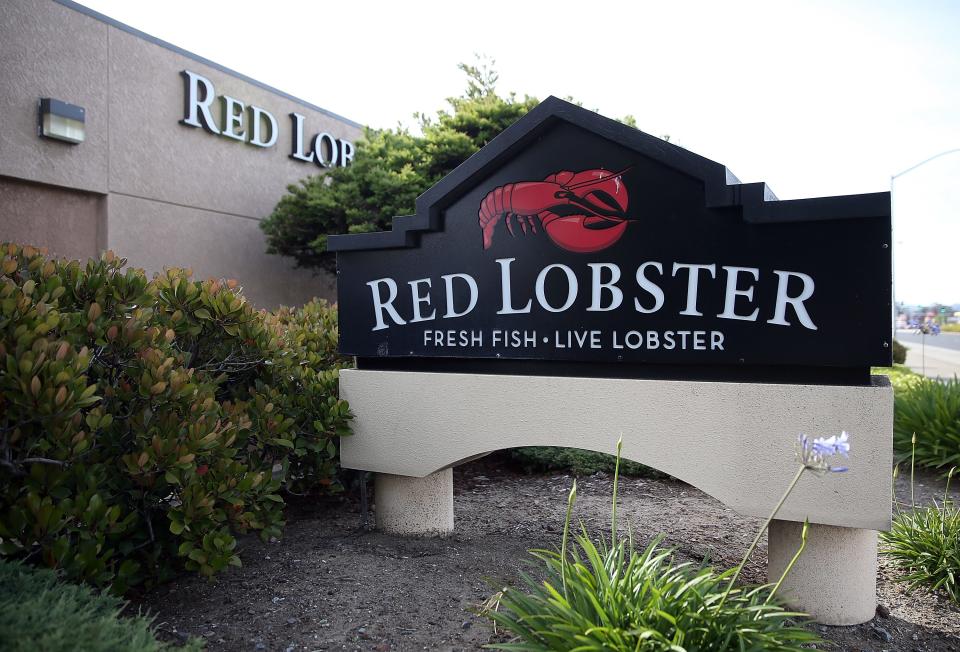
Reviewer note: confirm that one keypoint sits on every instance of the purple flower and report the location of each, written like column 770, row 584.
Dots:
column 835, row 445
column 814, row 454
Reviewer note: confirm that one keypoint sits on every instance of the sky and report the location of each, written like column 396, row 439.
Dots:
column 815, row 98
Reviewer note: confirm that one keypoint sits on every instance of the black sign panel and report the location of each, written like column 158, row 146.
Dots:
column 571, row 237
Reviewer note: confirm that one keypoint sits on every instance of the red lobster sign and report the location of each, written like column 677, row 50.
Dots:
column 580, row 211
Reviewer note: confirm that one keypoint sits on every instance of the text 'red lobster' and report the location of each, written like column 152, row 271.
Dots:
column 580, row 211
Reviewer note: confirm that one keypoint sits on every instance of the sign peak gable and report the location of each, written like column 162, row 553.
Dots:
column 722, row 188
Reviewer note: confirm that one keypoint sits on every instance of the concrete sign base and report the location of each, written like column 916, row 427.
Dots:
column 834, row 580
column 415, row 506
column 734, row 441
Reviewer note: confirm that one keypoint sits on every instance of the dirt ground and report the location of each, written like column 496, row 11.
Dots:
column 330, row 585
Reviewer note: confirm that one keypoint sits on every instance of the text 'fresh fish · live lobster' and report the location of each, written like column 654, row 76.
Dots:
column 580, row 211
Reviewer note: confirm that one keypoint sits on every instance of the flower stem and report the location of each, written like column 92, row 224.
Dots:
column 566, row 533
column 616, row 479
column 913, row 459
column 803, row 544
column 893, row 489
column 946, row 490
column 756, row 539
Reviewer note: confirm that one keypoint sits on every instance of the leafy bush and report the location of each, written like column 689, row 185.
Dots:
column 576, row 461
column 39, row 613
column 143, row 423
column 931, row 409
column 304, row 381
column 899, row 353
column 926, row 544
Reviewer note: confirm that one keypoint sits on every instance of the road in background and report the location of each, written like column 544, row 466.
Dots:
column 935, row 356
column 943, row 340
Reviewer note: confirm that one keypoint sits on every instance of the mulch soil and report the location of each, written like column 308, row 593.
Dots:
column 329, row 584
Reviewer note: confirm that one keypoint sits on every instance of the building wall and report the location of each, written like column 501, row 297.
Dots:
column 165, row 194
column 70, row 223
column 214, row 245
column 37, row 59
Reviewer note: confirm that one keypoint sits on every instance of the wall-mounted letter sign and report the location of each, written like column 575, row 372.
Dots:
column 255, row 125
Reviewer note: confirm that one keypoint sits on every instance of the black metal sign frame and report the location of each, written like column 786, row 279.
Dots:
column 573, row 244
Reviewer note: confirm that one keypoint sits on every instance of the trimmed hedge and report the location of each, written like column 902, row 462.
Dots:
column 576, row 461
column 899, row 353
column 143, row 423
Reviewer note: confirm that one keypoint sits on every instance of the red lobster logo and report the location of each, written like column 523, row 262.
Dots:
column 580, row 211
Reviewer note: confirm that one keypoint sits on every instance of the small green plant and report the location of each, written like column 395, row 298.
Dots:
column 37, row 612
column 930, row 407
column 622, row 599
column 925, row 543
column 600, row 596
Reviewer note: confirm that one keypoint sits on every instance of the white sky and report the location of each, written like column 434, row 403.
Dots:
column 816, row 98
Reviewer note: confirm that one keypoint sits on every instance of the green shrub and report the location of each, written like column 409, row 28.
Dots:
column 304, row 381
column 899, row 353
column 576, row 461
column 925, row 543
column 143, row 423
column 391, row 169
column 39, row 613
column 931, row 409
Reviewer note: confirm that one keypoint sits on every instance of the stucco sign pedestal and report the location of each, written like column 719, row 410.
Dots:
column 577, row 281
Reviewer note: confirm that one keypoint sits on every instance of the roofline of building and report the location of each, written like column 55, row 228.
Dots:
column 96, row 15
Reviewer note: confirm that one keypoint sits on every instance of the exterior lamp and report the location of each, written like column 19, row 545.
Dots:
column 62, row 121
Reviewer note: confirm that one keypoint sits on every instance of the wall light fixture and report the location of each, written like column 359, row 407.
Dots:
column 62, row 121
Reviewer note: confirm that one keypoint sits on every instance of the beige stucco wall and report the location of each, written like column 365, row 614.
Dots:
column 735, row 441
column 70, row 223
column 177, row 195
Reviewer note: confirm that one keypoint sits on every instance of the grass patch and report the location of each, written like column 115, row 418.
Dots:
column 38, row 612
column 901, row 377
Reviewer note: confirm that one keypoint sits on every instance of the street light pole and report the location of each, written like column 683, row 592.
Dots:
column 923, row 162
column 893, row 177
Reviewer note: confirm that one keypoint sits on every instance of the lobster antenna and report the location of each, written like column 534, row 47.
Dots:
column 592, row 182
